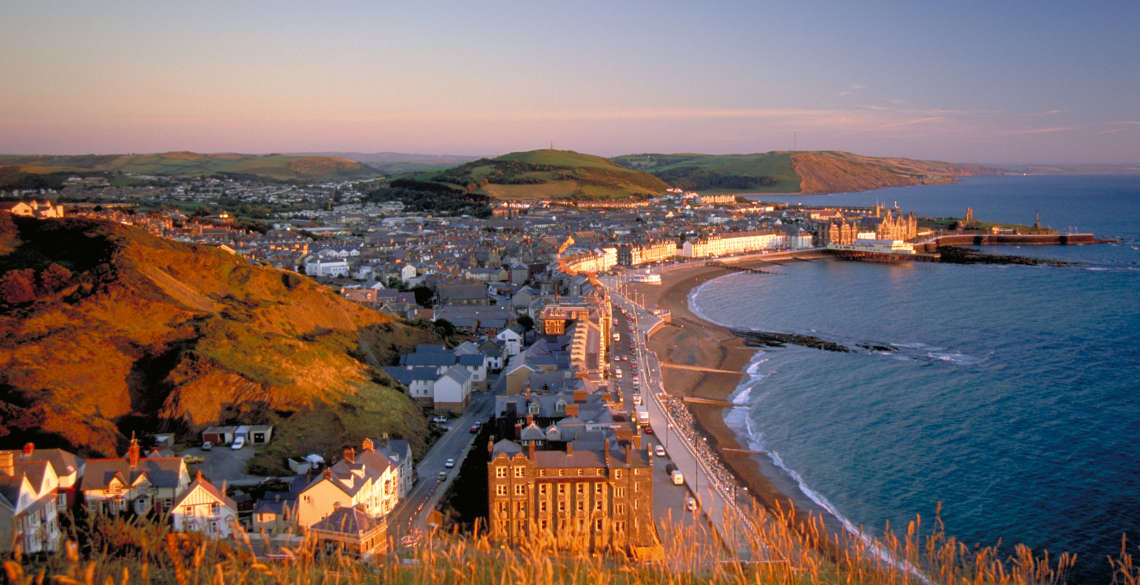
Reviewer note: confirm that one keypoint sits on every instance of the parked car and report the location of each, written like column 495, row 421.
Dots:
column 439, row 419
column 648, row 430
column 449, row 463
column 206, row 445
column 677, row 477
column 474, row 429
column 238, row 443
column 441, row 475
column 193, row 458
column 691, row 504
column 659, row 451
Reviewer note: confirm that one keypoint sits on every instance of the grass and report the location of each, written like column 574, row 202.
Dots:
column 769, row 172
column 121, row 552
column 189, row 164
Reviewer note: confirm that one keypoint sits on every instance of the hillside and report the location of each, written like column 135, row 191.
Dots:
column 105, row 330
column 793, row 172
column 396, row 163
column 548, row 174
column 186, row 164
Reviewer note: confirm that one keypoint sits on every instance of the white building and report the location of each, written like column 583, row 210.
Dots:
column 368, row 480
column 28, row 509
column 452, row 389
column 318, row 267
column 204, row 508
column 732, row 243
column 512, row 341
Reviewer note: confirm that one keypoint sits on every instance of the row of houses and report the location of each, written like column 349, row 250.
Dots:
column 39, row 485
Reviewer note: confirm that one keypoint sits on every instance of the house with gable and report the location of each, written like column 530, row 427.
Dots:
column 350, row 530
column 204, row 508
column 452, row 390
column 67, row 466
column 133, row 483
column 399, row 452
column 368, row 480
column 512, row 341
column 29, row 515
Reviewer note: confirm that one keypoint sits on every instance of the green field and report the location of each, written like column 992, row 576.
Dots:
column 548, row 174
column 769, row 172
column 189, row 164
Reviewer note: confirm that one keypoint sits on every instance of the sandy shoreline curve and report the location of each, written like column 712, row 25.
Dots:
column 692, row 341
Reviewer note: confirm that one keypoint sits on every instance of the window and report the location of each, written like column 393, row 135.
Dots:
column 598, row 525
column 598, row 489
column 503, row 509
column 520, row 490
column 617, row 474
column 500, row 472
column 542, row 506
column 619, row 492
column 520, row 472
column 619, row 526
column 580, row 506
column 598, row 504
column 562, row 490
column 619, row 509
column 543, row 490
column 561, row 507
column 580, row 488
column 521, row 507
column 500, row 490
column 543, row 524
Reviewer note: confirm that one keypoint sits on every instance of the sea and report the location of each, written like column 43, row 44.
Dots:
column 1009, row 395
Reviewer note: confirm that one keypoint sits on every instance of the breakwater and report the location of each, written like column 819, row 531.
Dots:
column 931, row 245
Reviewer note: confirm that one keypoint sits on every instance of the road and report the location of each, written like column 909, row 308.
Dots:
column 714, row 500
column 411, row 514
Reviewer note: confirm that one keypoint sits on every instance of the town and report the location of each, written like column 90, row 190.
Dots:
column 548, row 387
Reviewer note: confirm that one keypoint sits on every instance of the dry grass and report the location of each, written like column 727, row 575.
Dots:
column 125, row 553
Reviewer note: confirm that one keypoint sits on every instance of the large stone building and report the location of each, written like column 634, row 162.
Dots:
column 634, row 255
column 732, row 243
column 593, row 496
column 897, row 227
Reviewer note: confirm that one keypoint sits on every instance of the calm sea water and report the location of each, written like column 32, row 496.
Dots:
column 1011, row 395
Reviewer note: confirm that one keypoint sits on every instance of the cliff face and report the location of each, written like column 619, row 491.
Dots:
column 106, row 329
column 837, row 172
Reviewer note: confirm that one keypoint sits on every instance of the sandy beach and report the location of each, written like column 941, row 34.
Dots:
column 692, row 341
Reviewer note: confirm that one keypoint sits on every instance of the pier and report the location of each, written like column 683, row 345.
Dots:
column 698, row 369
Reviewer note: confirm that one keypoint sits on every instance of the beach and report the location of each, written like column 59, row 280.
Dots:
column 689, row 340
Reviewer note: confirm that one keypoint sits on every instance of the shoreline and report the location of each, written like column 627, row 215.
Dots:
column 690, row 340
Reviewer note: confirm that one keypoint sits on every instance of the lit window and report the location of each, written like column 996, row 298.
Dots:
column 520, row 472
column 598, row 525
column 500, row 472
column 520, row 490
column 617, row 474
column 500, row 490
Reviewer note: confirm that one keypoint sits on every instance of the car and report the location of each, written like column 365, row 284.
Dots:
column 474, row 428
column 659, row 451
column 449, row 463
column 439, row 419
column 193, row 458
column 637, row 399
column 648, row 430
column 441, row 475
column 238, row 443
column 206, row 445
column 691, row 504
column 677, row 477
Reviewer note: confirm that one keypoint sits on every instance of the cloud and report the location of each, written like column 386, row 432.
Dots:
column 851, row 89
column 1032, row 131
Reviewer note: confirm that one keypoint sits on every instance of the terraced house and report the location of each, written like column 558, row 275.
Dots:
column 28, row 510
column 133, row 483
column 367, row 480
column 595, row 495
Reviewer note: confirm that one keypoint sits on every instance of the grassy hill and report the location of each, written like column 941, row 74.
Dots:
column 793, row 172
column 105, row 330
column 548, row 174
column 769, row 172
column 183, row 164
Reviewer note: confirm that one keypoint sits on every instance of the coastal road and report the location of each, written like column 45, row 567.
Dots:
column 411, row 514
column 717, row 502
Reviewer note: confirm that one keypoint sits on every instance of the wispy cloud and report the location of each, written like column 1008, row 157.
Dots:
column 1032, row 131
column 851, row 89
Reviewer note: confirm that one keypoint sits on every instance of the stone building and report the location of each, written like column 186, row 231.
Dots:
column 595, row 496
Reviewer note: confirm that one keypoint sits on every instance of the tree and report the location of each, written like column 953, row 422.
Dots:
column 18, row 287
column 444, row 328
column 526, row 322
column 424, row 295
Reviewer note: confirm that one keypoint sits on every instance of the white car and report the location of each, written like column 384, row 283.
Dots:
column 238, row 443
column 659, row 451
column 691, row 504
column 449, row 463
column 677, row 477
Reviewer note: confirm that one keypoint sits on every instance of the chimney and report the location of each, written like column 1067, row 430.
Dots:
column 629, row 453
column 490, row 446
column 570, row 448
column 606, row 451
column 198, row 476
column 7, row 463
column 531, row 454
column 29, row 448
column 327, row 473
column 350, row 455
column 367, row 445
column 133, row 452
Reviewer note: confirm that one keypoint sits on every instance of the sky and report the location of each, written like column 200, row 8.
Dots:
column 992, row 82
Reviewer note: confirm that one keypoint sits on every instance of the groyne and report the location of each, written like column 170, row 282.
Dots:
column 931, row 245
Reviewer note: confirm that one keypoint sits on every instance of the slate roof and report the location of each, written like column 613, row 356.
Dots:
column 346, row 521
column 161, row 472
